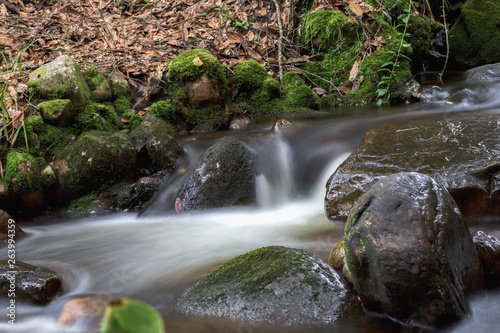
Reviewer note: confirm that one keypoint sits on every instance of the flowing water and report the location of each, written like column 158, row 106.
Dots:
column 154, row 256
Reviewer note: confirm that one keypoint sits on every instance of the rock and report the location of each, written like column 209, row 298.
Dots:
column 488, row 248
column 119, row 84
column 23, row 176
column 9, row 227
column 98, row 85
column 224, row 176
column 272, row 284
column 298, row 94
column 239, row 123
column 85, row 312
column 457, row 153
column 34, row 284
column 481, row 74
column 201, row 75
column 161, row 148
column 474, row 38
column 280, row 125
column 337, row 261
column 60, row 79
column 57, row 111
column 147, row 187
column 48, row 177
column 410, row 253
column 95, row 159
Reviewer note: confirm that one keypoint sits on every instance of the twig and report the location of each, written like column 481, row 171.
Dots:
column 280, row 25
column 447, row 45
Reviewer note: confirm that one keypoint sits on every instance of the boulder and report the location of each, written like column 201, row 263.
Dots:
column 155, row 137
column 224, row 176
column 337, row 261
column 410, row 253
column 272, row 284
column 481, row 74
column 57, row 111
column 60, row 79
column 9, row 227
column 457, row 153
column 475, row 37
column 147, row 187
column 298, row 94
column 119, row 84
column 85, row 312
column 95, row 159
column 98, row 85
column 488, row 248
column 23, row 176
column 35, row 284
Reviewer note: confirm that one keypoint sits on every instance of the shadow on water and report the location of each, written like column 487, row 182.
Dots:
column 154, row 257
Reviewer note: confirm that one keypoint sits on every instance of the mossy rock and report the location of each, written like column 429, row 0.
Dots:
column 475, row 37
column 53, row 140
column 161, row 149
column 249, row 76
column 57, row 111
column 97, row 116
column 23, row 176
column 60, row 79
column 34, row 123
column 119, row 85
column 298, row 94
column 127, row 315
column 199, row 76
column 329, row 28
column 99, row 86
column 94, row 160
column 272, row 284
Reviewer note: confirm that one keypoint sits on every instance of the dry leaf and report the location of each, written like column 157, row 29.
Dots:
column 356, row 9
column 354, row 71
column 197, row 61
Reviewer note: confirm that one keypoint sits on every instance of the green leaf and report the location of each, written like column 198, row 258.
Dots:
column 381, row 92
column 387, row 64
column 131, row 316
column 406, row 45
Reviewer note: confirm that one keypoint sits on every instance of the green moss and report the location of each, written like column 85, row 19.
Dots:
column 34, row 124
column 94, row 78
column 53, row 139
column 475, row 37
column 22, row 173
column 298, row 94
column 122, row 104
column 166, row 110
column 97, row 116
column 190, row 65
column 249, row 75
column 82, row 205
column 339, row 62
column 207, row 119
column 420, row 36
column 327, row 28
column 57, row 110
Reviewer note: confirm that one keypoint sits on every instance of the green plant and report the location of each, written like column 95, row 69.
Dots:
column 10, row 128
column 389, row 69
column 226, row 15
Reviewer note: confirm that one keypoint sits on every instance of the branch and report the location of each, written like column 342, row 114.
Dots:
column 280, row 55
column 10, row 6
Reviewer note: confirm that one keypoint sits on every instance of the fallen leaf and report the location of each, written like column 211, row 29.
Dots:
column 197, row 61
column 354, row 71
column 356, row 9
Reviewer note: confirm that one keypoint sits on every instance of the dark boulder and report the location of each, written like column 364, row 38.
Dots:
column 410, row 253
column 34, row 284
column 272, row 284
column 224, row 176
column 457, row 153
column 481, row 74
column 488, row 248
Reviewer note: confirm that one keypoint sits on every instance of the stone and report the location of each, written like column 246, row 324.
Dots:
column 8, row 226
column 34, row 284
column 23, row 176
column 60, row 79
column 147, row 187
column 203, row 90
column 85, row 312
column 281, row 125
column 457, row 153
column 119, row 84
column 482, row 74
column 95, row 159
column 240, row 123
column 272, row 284
column 98, row 85
column 410, row 253
column 337, row 261
column 57, row 111
column 488, row 247
column 160, row 147
column 224, row 176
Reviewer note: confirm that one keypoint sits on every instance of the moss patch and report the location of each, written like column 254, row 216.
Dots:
column 298, row 94
column 327, row 28
column 97, row 116
column 22, row 173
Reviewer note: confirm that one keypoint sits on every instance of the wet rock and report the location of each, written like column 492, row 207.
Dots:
column 474, row 38
column 337, row 261
column 95, row 159
column 224, row 176
column 23, row 176
column 34, row 284
column 488, row 248
column 58, row 111
column 8, row 224
column 155, row 136
column 85, row 312
column 481, row 74
column 410, row 253
column 60, row 79
column 147, row 187
column 280, row 125
column 457, row 153
column 272, row 284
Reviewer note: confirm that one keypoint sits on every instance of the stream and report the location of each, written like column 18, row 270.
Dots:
column 154, row 256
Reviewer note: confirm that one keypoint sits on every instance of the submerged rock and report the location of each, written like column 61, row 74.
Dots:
column 410, row 253
column 224, row 176
column 60, row 79
column 35, row 284
column 457, row 153
column 488, row 248
column 272, row 284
